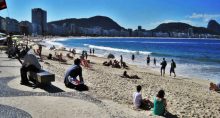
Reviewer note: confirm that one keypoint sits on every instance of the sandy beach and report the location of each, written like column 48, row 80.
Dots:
column 187, row 97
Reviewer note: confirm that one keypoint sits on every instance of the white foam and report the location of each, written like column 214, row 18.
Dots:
column 51, row 43
column 117, row 49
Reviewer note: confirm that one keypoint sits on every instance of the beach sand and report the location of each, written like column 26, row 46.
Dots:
column 186, row 97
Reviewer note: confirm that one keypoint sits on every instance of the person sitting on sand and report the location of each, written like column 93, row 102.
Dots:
column 215, row 87
column 60, row 57
column 138, row 101
column 73, row 52
column 75, row 70
column 116, row 64
column 52, row 48
column 160, row 104
column 84, row 62
column 131, row 76
column 124, row 65
column 50, row 56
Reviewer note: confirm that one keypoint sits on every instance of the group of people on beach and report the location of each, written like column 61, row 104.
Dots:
column 163, row 64
column 163, row 67
column 31, row 63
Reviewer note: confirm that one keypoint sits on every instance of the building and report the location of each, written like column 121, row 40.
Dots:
column 11, row 25
column 139, row 28
column 39, row 21
column 26, row 27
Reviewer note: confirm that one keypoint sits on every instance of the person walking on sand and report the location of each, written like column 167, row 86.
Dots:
column 163, row 67
column 148, row 60
column 172, row 68
column 155, row 61
column 132, row 57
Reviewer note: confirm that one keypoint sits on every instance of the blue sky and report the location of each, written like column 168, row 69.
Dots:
column 127, row 13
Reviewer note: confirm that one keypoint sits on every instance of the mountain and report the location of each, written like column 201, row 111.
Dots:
column 101, row 21
column 214, row 26
column 181, row 27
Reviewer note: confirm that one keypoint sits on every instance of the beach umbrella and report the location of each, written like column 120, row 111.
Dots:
column 111, row 56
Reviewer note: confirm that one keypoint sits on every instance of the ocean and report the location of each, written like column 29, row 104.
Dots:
column 195, row 58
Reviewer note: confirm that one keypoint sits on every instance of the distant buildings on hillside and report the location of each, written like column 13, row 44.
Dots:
column 39, row 26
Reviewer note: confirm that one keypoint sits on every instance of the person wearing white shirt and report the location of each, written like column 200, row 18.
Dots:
column 139, row 102
column 30, row 63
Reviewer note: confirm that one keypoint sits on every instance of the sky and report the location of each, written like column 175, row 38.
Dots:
column 127, row 13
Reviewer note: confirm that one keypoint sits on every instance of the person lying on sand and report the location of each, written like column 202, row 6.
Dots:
column 215, row 87
column 69, row 56
column 138, row 101
column 107, row 63
column 131, row 76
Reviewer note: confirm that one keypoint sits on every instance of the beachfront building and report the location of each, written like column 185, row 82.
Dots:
column 190, row 32
column 1, row 23
column 130, row 32
column 69, row 29
column 10, row 25
column 26, row 27
column 161, row 34
column 39, row 21
column 114, row 33
column 124, row 33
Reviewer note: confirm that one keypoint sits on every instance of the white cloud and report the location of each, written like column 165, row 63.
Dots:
column 205, row 17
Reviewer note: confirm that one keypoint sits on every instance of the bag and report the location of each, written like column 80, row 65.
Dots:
column 174, row 64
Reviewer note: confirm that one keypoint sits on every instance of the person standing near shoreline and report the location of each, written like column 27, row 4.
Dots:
column 148, row 60
column 172, row 68
column 155, row 61
column 163, row 67
column 90, row 51
column 121, row 60
column 93, row 51
column 132, row 57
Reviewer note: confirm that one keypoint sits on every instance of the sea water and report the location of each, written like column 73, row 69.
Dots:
column 195, row 58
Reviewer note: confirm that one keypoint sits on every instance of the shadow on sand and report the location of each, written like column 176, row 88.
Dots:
column 49, row 88
column 169, row 115
column 82, row 87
